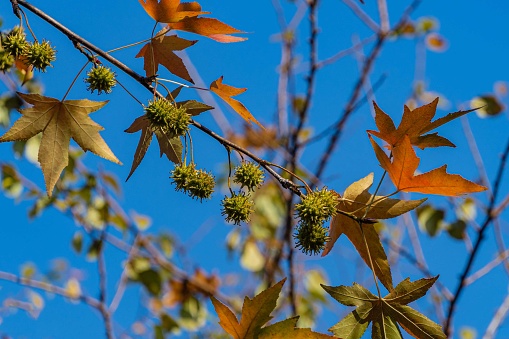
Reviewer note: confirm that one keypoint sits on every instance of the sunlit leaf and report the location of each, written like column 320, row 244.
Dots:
column 402, row 173
column 59, row 121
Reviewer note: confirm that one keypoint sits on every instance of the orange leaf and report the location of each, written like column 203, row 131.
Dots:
column 212, row 28
column 159, row 51
column 225, row 92
column 404, row 164
column 170, row 10
column 414, row 123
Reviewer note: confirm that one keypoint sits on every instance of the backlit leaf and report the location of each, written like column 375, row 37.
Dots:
column 169, row 145
column 414, row 124
column 404, row 164
column 226, row 92
column 159, row 51
column 59, row 121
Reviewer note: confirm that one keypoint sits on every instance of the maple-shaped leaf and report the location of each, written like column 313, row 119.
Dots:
column 356, row 201
column 385, row 313
column 166, row 11
column 59, row 121
column 414, row 123
column 255, row 313
column 159, row 51
column 226, row 92
column 169, row 144
column 402, row 173
column 211, row 28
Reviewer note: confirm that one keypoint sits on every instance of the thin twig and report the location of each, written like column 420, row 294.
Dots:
column 497, row 319
column 357, row 89
column 478, row 241
column 45, row 286
column 365, row 18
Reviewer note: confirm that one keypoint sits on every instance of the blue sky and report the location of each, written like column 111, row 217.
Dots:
column 476, row 58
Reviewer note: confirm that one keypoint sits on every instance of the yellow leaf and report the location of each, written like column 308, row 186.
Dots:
column 59, row 121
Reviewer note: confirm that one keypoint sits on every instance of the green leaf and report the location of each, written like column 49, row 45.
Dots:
column 286, row 329
column 152, row 281
column 356, row 295
column 416, row 323
column 354, row 324
column 408, row 291
column 385, row 327
column 457, row 229
column 429, row 219
column 489, row 105
column 77, row 242
column 194, row 107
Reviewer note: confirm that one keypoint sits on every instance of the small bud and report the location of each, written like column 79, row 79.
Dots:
column 248, row 175
column 237, row 208
column 100, row 78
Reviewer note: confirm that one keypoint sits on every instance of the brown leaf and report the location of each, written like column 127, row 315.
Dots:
column 402, row 173
column 168, row 144
column 170, row 10
column 59, row 121
column 211, row 28
column 226, row 92
column 414, row 123
column 355, row 202
column 159, row 51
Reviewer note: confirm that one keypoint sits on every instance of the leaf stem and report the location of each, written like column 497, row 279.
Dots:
column 74, row 80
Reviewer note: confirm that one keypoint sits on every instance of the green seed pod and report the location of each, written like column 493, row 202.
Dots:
column 39, row 55
column 100, row 78
column 6, row 60
column 317, row 206
column 310, row 238
column 237, row 208
column 162, row 113
column 181, row 175
column 248, row 175
column 201, row 185
column 14, row 42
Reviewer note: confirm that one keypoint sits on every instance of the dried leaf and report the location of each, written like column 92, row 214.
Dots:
column 170, row 10
column 226, row 92
column 355, row 202
column 169, row 145
column 59, row 121
column 159, row 51
column 255, row 313
column 211, row 28
column 414, row 123
column 404, row 164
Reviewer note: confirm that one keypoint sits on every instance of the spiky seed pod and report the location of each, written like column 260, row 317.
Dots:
column 237, row 208
column 310, row 238
column 14, row 42
column 39, row 55
column 162, row 113
column 181, row 175
column 317, row 206
column 6, row 60
column 201, row 185
column 248, row 175
column 100, row 78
